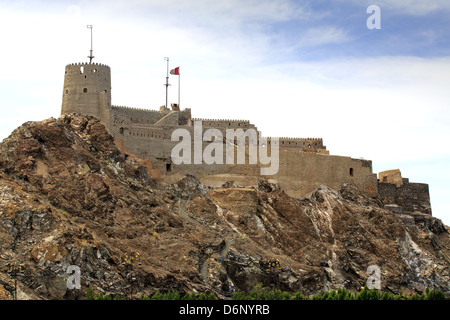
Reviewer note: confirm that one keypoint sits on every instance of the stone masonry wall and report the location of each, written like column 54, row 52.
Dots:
column 410, row 197
column 303, row 162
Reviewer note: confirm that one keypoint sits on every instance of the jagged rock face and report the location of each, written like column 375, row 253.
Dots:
column 68, row 196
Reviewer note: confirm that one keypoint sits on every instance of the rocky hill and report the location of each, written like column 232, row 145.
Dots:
column 69, row 196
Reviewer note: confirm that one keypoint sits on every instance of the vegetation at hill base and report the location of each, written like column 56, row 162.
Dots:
column 258, row 293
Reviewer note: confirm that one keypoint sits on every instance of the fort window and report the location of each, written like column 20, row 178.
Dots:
column 351, row 172
column 67, row 91
column 121, row 130
column 168, row 167
column 85, row 90
column 82, row 69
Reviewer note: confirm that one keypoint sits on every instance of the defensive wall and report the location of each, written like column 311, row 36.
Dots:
column 400, row 195
column 304, row 163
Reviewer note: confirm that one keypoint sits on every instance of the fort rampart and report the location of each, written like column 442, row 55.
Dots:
column 304, row 163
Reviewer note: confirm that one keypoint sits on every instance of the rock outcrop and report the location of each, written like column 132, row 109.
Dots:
column 69, row 196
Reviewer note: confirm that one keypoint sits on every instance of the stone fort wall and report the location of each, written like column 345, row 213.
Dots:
column 304, row 163
column 400, row 195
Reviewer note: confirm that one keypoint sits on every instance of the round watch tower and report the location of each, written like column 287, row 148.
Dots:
column 87, row 90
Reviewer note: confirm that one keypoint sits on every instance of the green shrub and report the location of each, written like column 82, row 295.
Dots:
column 238, row 295
column 298, row 296
column 90, row 294
column 202, row 296
column 212, row 296
column 157, row 296
column 259, row 293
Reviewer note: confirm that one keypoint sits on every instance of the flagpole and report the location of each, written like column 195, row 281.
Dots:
column 167, row 81
column 179, row 88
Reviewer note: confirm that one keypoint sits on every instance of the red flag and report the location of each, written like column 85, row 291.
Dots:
column 175, row 71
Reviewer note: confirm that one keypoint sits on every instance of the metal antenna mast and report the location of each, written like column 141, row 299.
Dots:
column 90, row 56
column 167, row 80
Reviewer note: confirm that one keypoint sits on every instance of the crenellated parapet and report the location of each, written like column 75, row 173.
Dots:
column 299, row 139
column 133, row 108
column 304, row 144
column 220, row 120
column 223, row 124
column 87, row 63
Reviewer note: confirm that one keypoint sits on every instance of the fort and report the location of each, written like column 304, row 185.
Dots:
column 304, row 163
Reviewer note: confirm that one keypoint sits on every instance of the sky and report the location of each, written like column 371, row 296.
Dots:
column 308, row 68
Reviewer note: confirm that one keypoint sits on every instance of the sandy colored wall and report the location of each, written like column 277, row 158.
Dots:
column 299, row 172
column 87, row 90
column 147, row 134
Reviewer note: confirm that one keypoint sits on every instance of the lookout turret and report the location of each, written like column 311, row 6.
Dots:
column 87, row 90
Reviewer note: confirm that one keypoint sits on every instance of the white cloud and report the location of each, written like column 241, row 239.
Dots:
column 322, row 35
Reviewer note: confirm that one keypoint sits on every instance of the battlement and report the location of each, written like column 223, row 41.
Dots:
column 301, row 144
column 294, row 139
column 134, row 108
column 220, row 120
column 86, row 63
column 80, row 70
column 224, row 124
